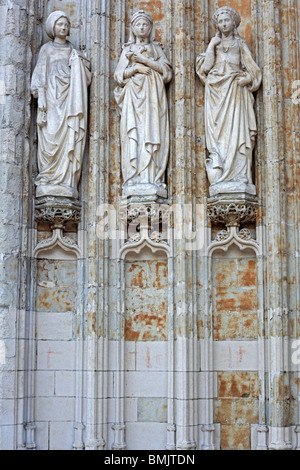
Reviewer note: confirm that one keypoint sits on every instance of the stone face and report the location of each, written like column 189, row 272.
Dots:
column 147, row 340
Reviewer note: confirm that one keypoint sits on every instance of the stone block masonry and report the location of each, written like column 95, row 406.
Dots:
column 148, row 343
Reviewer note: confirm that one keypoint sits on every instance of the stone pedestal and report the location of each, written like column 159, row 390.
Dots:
column 232, row 209
column 58, row 212
column 147, row 192
column 234, row 188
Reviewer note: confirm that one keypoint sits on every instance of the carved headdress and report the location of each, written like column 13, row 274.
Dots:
column 141, row 14
column 52, row 19
column 231, row 12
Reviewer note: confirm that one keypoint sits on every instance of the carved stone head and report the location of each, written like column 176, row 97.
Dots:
column 141, row 14
column 234, row 15
column 51, row 21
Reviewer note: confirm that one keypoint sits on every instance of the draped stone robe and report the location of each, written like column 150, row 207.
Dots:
column 144, row 124
column 62, row 72
column 230, row 121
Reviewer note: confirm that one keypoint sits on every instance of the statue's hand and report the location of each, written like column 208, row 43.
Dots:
column 140, row 68
column 139, row 58
column 42, row 104
column 215, row 41
column 74, row 55
column 244, row 81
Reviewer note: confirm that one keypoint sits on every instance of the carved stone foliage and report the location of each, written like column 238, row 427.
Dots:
column 58, row 212
column 232, row 211
column 141, row 75
column 59, row 82
column 241, row 239
column 230, row 75
column 145, row 225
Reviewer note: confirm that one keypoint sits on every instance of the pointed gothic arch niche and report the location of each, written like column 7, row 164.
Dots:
column 146, row 294
column 235, row 303
column 146, row 344
column 234, row 291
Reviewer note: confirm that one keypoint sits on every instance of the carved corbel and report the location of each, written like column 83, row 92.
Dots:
column 232, row 211
column 144, row 222
column 57, row 212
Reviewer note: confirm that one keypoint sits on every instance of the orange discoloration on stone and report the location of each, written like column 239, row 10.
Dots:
column 225, row 304
column 130, row 333
column 146, row 300
column 156, row 8
column 161, row 269
column 138, row 280
column 235, row 437
column 225, row 411
column 247, row 301
column 241, row 6
column 54, row 300
column 235, row 325
column 144, row 327
column 247, row 411
column 247, row 277
column 237, row 384
column 92, row 320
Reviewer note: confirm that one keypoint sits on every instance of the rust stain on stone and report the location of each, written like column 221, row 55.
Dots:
column 43, row 299
column 155, row 7
column 234, row 384
column 131, row 334
column 248, row 276
column 145, row 327
column 92, row 322
column 158, row 283
column 247, row 301
column 235, row 437
column 138, row 280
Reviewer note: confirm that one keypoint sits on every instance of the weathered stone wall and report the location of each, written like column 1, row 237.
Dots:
column 15, row 58
column 235, row 322
column 180, row 348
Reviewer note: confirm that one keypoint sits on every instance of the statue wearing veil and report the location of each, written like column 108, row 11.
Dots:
column 60, row 81
column 141, row 75
column 230, row 75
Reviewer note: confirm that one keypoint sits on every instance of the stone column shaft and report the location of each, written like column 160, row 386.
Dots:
column 275, row 246
column 182, row 90
column 96, row 311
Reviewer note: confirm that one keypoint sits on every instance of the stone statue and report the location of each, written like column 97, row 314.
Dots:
column 230, row 76
column 141, row 74
column 60, row 81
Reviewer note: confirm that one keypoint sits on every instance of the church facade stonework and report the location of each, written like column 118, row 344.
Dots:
column 149, row 255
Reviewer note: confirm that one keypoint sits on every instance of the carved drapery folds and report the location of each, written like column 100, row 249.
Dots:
column 141, row 75
column 59, row 82
column 230, row 75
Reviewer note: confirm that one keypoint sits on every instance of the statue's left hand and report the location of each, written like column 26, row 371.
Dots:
column 42, row 102
column 74, row 55
column 244, row 81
